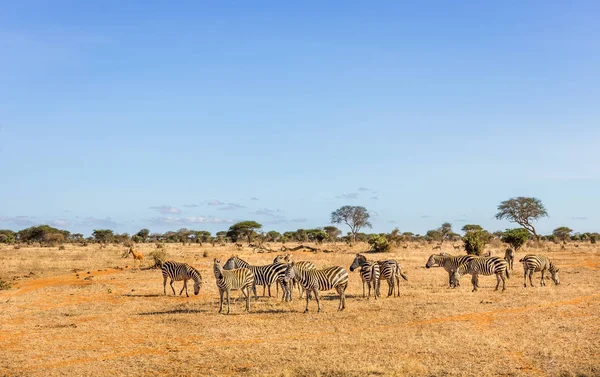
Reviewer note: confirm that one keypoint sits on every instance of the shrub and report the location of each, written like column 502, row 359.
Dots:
column 159, row 256
column 379, row 244
column 4, row 285
column 515, row 237
column 62, row 247
column 475, row 241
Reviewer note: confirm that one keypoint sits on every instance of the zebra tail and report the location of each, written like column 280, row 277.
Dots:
column 521, row 260
column 507, row 274
column 403, row 276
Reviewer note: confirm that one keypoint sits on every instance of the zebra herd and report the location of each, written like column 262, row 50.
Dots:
column 237, row 274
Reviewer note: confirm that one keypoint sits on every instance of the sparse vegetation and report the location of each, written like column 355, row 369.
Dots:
column 475, row 241
column 523, row 211
column 379, row 243
column 516, row 238
column 356, row 217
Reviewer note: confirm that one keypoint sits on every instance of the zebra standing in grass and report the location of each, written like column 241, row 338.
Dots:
column 391, row 271
column 263, row 275
column 369, row 273
column 483, row 266
column 181, row 271
column 314, row 281
column 228, row 280
column 532, row 263
column 300, row 265
column 450, row 263
column 509, row 256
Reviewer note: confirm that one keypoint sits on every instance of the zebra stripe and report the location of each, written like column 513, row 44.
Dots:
column 228, row 280
column 181, row 271
column 450, row 263
column 391, row 271
column 287, row 288
column 263, row 275
column 483, row 266
column 325, row 279
column 369, row 273
column 532, row 263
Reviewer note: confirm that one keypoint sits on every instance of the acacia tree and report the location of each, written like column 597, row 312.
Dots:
column 445, row 231
column 523, row 211
column 332, row 232
column 471, row 227
column 243, row 229
column 562, row 233
column 356, row 217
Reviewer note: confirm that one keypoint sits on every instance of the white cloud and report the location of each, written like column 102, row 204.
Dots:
column 164, row 209
column 350, row 195
column 189, row 220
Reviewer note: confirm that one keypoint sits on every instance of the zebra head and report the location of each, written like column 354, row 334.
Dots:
column 358, row 261
column 289, row 274
column 554, row 273
column 218, row 271
column 197, row 281
column 281, row 259
column 231, row 263
column 431, row 262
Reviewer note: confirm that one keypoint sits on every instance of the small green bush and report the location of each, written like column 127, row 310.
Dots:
column 475, row 241
column 379, row 244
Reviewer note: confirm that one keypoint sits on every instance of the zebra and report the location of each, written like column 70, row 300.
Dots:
column 449, row 262
column 391, row 271
column 227, row 280
column 369, row 273
column 509, row 256
column 181, row 271
column 305, row 265
column 320, row 280
column 263, row 275
column 483, row 266
column 532, row 263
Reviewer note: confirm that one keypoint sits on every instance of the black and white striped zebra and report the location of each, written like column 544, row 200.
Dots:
column 533, row 263
column 303, row 264
column 483, row 266
column 263, row 275
column 449, row 263
column 228, row 280
column 325, row 279
column 391, row 271
column 369, row 273
column 509, row 256
column 181, row 271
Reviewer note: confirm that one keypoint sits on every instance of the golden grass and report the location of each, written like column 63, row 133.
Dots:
column 117, row 322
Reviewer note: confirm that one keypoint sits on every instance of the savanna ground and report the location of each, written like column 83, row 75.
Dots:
column 71, row 312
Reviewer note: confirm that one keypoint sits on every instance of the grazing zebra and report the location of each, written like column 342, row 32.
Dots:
column 483, row 266
column 391, row 272
column 509, row 256
column 314, row 281
column 369, row 273
column 449, row 262
column 181, row 271
column 263, row 275
column 228, row 280
column 532, row 263
column 137, row 255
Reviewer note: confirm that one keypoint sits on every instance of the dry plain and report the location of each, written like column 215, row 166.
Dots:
column 86, row 311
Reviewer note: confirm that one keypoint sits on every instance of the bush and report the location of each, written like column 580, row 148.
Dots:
column 475, row 241
column 159, row 256
column 515, row 237
column 379, row 244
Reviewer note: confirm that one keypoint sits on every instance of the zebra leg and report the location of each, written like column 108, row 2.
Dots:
column 184, row 287
column 530, row 277
column 398, row 284
column 525, row 277
column 173, row 288
column 474, row 281
column 246, row 293
column 254, row 289
column 542, row 282
column 318, row 301
column 503, row 282
column 269, row 290
column 220, row 300
column 497, row 282
column 307, row 298
column 369, row 284
column 228, row 302
column 165, row 285
column 264, row 289
column 363, row 288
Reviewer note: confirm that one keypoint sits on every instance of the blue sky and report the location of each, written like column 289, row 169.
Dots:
column 128, row 115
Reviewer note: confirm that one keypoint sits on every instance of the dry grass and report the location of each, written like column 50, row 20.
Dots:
column 117, row 322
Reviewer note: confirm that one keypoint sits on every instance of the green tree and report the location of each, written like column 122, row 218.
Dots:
column 301, row 235
column 433, row 235
column 243, row 229
column 7, row 236
column 103, row 235
column 523, row 211
column 516, row 238
column 332, row 233
column 562, row 233
column 143, row 234
column 471, row 227
column 445, row 230
column 316, row 235
column 475, row 241
column 43, row 234
column 356, row 217
column 273, row 236
column 379, row 243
